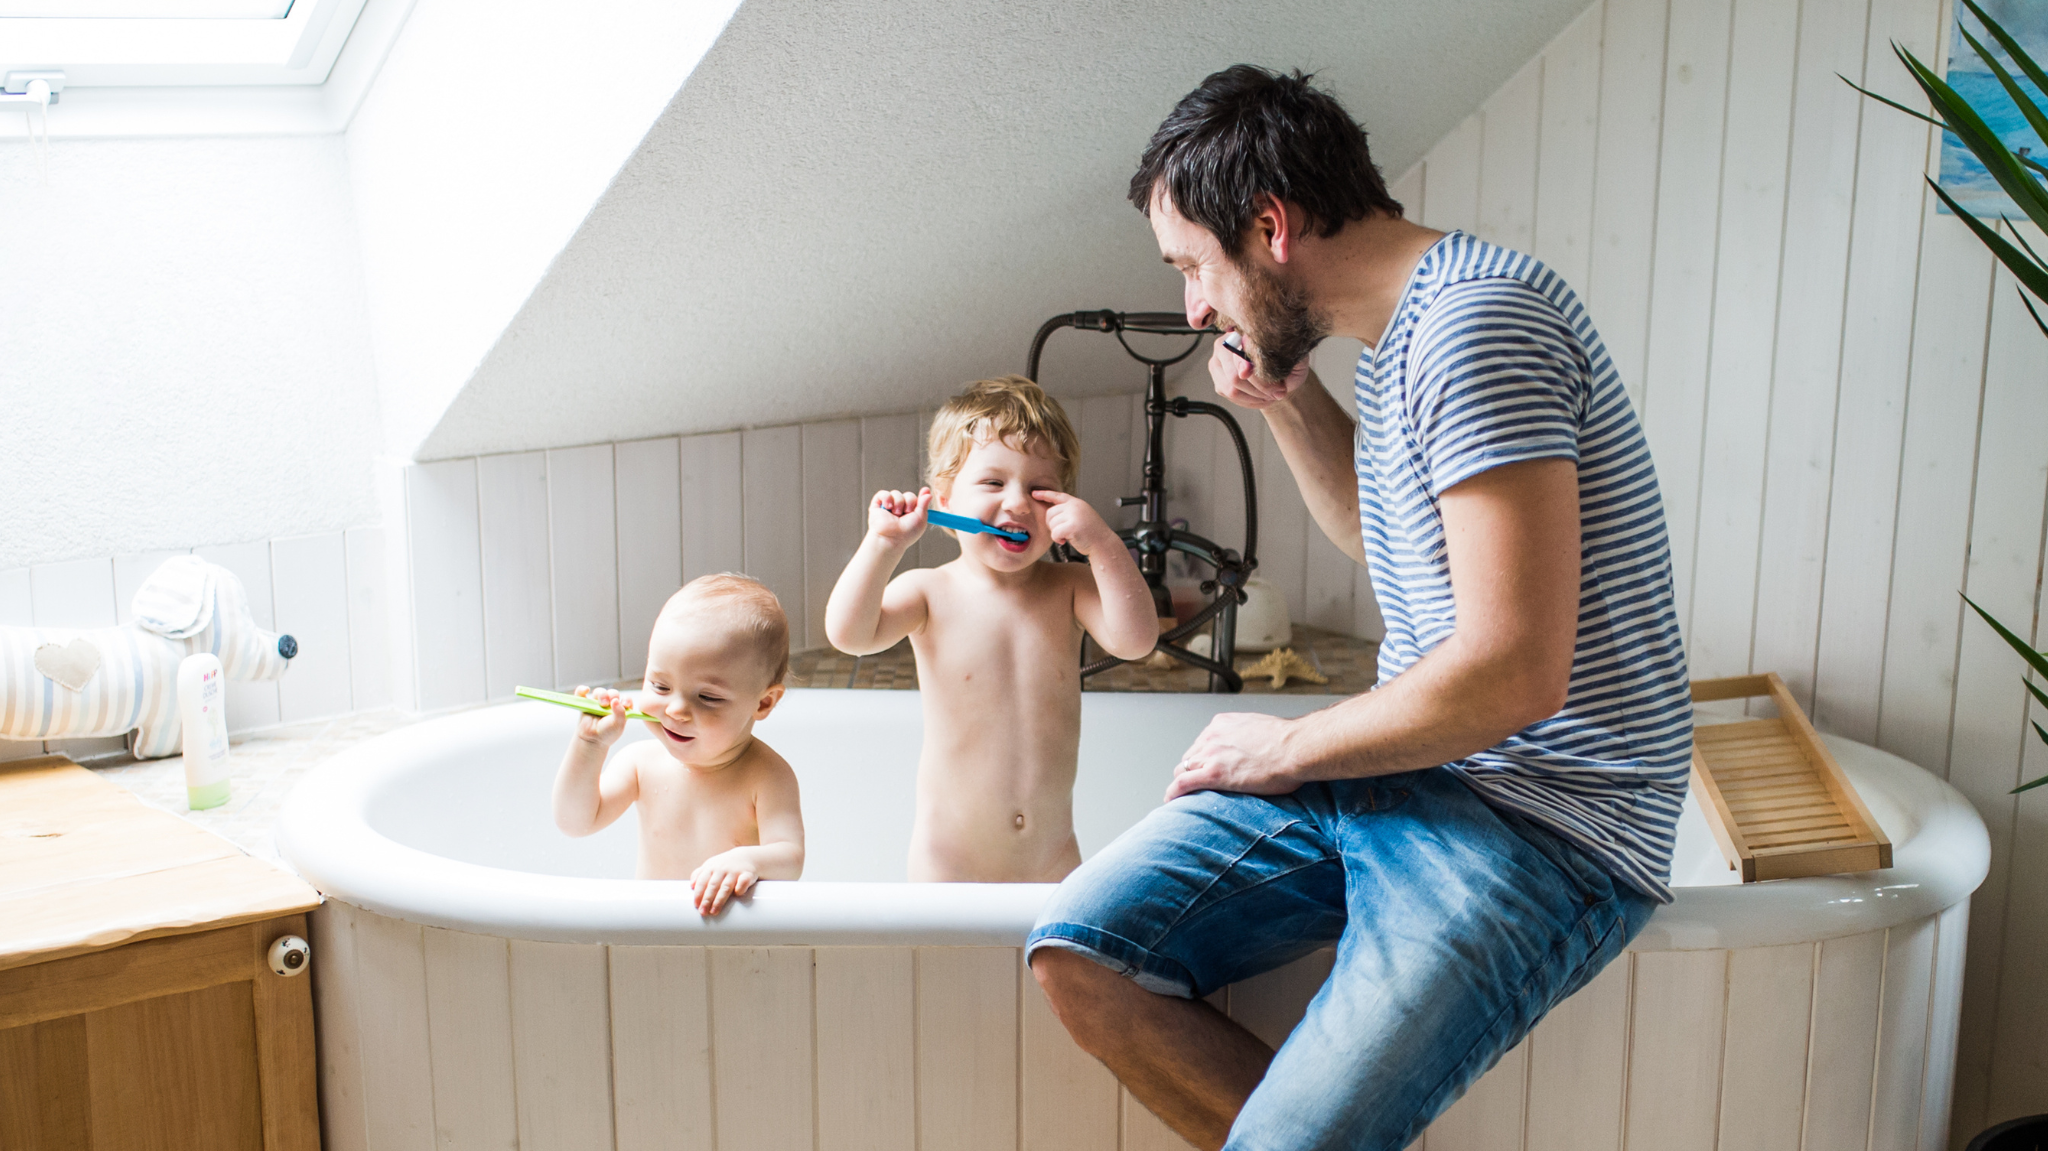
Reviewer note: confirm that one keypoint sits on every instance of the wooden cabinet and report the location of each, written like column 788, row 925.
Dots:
column 138, row 1008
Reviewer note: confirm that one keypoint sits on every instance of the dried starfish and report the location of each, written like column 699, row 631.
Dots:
column 1283, row 665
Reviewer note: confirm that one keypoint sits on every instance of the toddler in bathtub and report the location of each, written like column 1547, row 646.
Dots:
column 716, row 804
column 996, row 633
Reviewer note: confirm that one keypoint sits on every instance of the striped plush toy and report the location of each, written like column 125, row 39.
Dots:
column 59, row 684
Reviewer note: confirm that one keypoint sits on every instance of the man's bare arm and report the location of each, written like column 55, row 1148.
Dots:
column 1317, row 438
column 1513, row 538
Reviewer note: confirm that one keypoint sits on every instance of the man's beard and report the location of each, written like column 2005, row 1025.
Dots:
column 1279, row 324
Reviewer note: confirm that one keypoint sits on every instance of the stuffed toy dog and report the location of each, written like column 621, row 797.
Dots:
column 58, row 684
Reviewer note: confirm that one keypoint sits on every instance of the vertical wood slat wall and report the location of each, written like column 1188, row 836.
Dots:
column 1842, row 392
column 433, row 1038
column 546, row 568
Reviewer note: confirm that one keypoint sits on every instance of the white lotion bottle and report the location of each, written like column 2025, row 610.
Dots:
column 202, row 706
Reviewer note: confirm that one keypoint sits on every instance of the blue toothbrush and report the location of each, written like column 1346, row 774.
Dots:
column 963, row 524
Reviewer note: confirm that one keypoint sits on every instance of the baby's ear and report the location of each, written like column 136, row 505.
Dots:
column 768, row 700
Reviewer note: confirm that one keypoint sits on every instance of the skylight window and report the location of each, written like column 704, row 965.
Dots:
column 152, row 43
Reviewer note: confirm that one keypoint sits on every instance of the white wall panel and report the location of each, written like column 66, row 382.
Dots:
column 369, row 644
column 519, row 613
column 129, row 573
column 446, row 584
column 311, row 593
column 1625, row 182
column 584, row 559
column 712, row 535
column 650, row 542
column 1451, row 192
column 772, row 464
column 834, row 514
column 1567, row 149
column 1510, row 125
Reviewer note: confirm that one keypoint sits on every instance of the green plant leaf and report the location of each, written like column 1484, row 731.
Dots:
column 2043, row 733
column 2024, row 102
column 2032, row 312
column 2036, row 660
column 2032, row 274
column 1914, row 113
column 1978, row 137
column 2034, row 690
column 2011, row 46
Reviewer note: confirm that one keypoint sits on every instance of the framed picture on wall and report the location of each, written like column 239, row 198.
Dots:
column 1961, row 175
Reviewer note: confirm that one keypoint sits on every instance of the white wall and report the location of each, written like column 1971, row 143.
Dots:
column 1844, row 398
column 490, row 132
column 183, row 353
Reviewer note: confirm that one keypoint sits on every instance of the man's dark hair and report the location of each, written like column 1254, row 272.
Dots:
column 1246, row 133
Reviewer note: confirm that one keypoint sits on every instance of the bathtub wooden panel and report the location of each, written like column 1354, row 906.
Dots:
column 650, row 542
column 762, row 1049
column 1269, row 1005
column 583, row 554
column 967, row 1047
column 339, row 985
column 710, row 471
column 469, row 1029
column 398, row 1083
column 1491, row 1112
column 561, row 1045
column 1847, row 982
column 771, row 462
column 661, row 1048
column 1144, row 1131
column 1763, row 1066
column 832, row 517
column 1674, row 1066
column 1578, row 1059
column 1902, row 1028
column 447, row 611
column 1067, row 1098
column 1938, row 1097
column 867, row 1048
column 512, row 517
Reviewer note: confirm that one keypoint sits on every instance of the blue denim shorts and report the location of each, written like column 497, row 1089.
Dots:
column 1457, row 927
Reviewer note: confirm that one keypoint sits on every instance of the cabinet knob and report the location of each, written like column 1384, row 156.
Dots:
column 290, row 955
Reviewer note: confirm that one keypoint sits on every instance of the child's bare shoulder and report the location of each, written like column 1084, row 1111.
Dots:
column 764, row 766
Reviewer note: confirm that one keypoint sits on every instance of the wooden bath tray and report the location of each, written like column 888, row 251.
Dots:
column 1777, row 802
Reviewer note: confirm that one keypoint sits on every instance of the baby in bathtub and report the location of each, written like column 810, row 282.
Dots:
column 716, row 804
column 996, row 633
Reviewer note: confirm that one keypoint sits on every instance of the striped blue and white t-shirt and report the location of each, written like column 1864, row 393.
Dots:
column 1490, row 359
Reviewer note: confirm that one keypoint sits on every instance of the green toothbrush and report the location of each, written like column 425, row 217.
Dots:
column 579, row 702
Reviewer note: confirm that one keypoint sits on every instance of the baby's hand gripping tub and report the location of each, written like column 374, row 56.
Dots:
column 60, row 684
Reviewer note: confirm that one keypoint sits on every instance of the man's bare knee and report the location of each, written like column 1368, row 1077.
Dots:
column 1077, row 987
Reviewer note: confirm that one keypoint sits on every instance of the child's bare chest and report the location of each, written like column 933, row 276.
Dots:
column 707, row 813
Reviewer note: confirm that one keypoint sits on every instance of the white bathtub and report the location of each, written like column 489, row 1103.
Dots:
column 483, row 981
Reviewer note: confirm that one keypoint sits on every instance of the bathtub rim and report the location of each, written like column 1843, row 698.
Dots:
column 323, row 834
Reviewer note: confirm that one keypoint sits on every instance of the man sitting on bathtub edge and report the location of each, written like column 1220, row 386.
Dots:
column 1485, row 830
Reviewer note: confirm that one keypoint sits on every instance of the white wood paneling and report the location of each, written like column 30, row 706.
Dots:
column 1450, row 195
column 773, row 505
column 762, row 1049
column 650, row 542
column 369, row 648
column 834, row 518
column 1143, row 1131
column 446, row 583
column 1104, row 425
column 584, row 559
column 1763, row 1068
column 250, row 705
column 1745, row 299
column 398, row 1082
column 1903, row 1017
column 967, row 1046
column 1510, row 123
column 1567, row 140
column 1952, row 927
column 561, row 1045
column 1578, row 1056
column 867, row 1047
column 1068, row 1098
column 934, row 547
column 338, row 987
column 1284, row 524
column 713, row 539
column 1625, row 167
column 1847, row 981
column 469, row 1029
column 1491, row 1112
column 661, row 1048
column 1674, row 1079
column 519, row 613
column 311, row 592
column 1407, row 189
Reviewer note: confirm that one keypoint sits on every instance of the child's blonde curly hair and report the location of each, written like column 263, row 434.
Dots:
column 1012, row 410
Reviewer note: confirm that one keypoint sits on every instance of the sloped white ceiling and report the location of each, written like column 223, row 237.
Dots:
column 855, row 207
